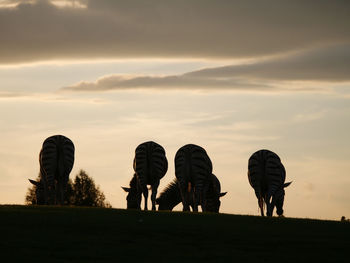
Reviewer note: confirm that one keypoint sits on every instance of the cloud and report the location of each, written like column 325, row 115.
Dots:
column 44, row 30
column 328, row 64
column 331, row 63
column 307, row 117
column 175, row 82
column 9, row 95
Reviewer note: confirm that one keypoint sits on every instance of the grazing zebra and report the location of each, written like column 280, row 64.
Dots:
column 150, row 165
column 193, row 169
column 39, row 192
column 56, row 160
column 266, row 174
column 133, row 199
column 213, row 195
column 171, row 197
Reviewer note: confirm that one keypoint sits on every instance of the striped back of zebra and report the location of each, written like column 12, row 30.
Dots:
column 56, row 162
column 193, row 169
column 266, row 174
column 171, row 197
column 150, row 165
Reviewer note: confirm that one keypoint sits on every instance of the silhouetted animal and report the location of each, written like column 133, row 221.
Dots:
column 266, row 174
column 171, row 197
column 213, row 195
column 193, row 169
column 150, row 165
column 133, row 198
column 39, row 192
column 56, row 160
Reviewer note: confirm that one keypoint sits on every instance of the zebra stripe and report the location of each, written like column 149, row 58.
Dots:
column 56, row 162
column 193, row 168
column 266, row 174
column 171, row 197
column 150, row 165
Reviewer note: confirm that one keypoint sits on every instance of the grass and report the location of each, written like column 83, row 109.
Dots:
column 71, row 234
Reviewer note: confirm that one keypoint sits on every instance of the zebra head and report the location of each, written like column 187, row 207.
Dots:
column 213, row 204
column 278, row 199
column 133, row 199
column 163, row 204
column 39, row 192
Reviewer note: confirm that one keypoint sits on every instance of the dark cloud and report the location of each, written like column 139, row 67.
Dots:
column 331, row 64
column 324, row 64
column 167, row 28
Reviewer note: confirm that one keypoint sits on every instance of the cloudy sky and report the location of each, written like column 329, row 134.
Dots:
column 231, row 76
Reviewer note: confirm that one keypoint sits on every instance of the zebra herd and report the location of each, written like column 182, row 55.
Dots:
column 194, row 183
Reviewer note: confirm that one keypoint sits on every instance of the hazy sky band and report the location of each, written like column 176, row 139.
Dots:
column 38, row 30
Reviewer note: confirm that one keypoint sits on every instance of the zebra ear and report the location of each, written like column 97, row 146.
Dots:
column 126, row 189
column 222, row 194
column 34, row 182
column 286, row 184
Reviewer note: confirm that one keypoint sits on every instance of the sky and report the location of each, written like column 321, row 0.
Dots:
column 231, row 76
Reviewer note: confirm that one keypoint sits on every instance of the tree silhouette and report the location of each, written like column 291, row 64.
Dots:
column 80, row 192
column 86, row 193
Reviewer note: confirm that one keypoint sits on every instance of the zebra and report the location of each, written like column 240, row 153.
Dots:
column 193, row 169
column 171, row 197
column 39, row 192
column 133, row 198
column 150, row 165
column 56, row 160
column 266, row 174
column 213, row 195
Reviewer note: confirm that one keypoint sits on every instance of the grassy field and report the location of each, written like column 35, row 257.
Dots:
column 68, row 234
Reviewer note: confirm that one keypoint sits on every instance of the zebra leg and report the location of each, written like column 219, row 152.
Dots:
column 61, row 192
column 270, row 206
column 46, row 201
column 154, row 195
column 196, row 198
column 261, row 205
column 46, row 191
column 203, row 197
column 51, row 194
column 186, row 203
column 145, row 195
column 184, row 198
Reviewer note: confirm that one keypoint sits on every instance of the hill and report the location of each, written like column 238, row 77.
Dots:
column 71, row 234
